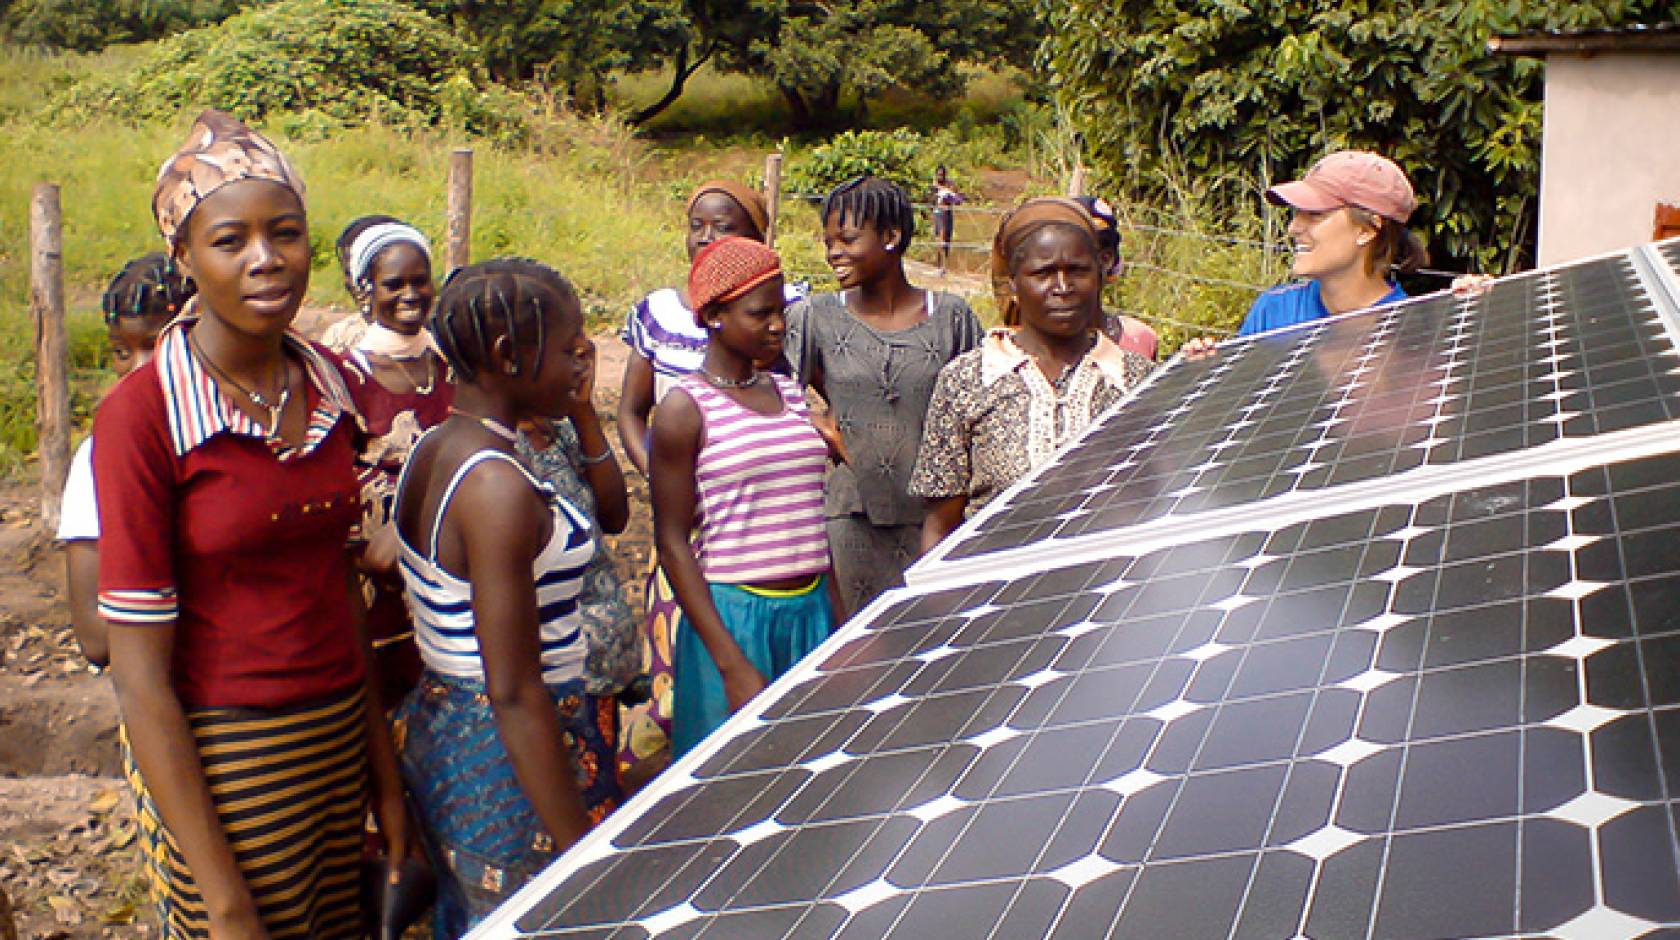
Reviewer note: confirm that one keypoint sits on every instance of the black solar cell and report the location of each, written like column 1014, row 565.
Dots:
column 1570, row 352
column 1450, row 707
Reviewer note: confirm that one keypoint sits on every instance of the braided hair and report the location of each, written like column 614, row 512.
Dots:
column 148, row 286
column 484, row 302
column 875, row 202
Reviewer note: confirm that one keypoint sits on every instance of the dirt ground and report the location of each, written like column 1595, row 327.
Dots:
column 68, row 862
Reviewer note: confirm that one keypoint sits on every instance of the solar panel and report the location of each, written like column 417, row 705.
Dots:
column 1568, row 352
column 1442, row 699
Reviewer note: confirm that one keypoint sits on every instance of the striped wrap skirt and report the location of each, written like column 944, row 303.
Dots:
column 290, row 788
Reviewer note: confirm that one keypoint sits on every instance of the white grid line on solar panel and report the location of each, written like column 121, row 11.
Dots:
column 1549, row 499
column 1490, row 404
column 1559, row 456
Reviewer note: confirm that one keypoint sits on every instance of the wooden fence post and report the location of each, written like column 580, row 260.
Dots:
column 52, row 381
column 772, row 194
column 1076, row 182
column 460, row 208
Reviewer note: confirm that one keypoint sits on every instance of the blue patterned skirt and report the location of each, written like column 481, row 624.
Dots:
column 482, row 835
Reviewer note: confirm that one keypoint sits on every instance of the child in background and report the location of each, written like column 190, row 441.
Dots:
column 945, row 202
column 1127, row 332
column 736, row 462
column 506, row 754
column 140, row 301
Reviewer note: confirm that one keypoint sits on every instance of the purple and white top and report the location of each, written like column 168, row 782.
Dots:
column 662, row 330
column 760, row 477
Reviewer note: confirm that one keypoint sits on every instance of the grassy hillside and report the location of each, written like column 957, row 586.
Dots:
column 586, row 195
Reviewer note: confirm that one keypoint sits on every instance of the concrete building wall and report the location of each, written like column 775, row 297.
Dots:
column 1611, row 150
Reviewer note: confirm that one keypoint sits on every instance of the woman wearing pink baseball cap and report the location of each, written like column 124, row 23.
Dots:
column 1349, row 233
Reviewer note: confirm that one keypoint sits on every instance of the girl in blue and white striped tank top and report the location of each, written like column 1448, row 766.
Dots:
column 441, row 603
column 507, row 755
column 736, row 461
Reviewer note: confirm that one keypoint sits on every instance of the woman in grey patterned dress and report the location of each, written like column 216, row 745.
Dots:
column 873, row 351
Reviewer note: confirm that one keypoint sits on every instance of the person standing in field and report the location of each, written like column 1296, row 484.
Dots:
column 945, row 200
column 507, row 755
column 737, row 498
column 401, row 387
column 1005, row 408
column 225, row 470
column 873, row 351
column 667, row 343
column 1348, row 229
column 141, row 300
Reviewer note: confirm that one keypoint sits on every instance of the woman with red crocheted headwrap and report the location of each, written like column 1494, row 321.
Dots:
column 736, row 463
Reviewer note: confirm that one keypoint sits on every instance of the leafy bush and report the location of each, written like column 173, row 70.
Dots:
column 1254, row 92
column 91, row 25
column 899, row 156
column 328, row 63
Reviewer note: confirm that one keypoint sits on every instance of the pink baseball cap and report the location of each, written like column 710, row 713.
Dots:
column 1350, row 178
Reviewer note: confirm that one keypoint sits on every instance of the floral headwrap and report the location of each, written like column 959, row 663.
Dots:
column 219, row 150
column 728, row 268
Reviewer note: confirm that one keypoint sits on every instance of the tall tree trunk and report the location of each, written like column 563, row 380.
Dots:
column 799, row 111
column 679, row 78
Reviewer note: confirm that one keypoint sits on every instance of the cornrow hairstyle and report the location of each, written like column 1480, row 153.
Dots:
column 347, row 240
column 484, row 302
column 875, row 202
column 148, row 286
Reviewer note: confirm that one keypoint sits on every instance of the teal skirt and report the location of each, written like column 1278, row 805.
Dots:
column 775, row 629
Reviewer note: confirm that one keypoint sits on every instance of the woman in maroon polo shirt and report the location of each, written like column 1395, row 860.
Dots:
column 228, row 492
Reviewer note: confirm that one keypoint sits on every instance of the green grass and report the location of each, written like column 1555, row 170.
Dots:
column 586, row 195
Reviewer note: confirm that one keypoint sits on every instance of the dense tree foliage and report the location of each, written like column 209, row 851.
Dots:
column 815, row 52
column 1230, row 95
column 573, row 44
column 323, row 63
column 90, row 25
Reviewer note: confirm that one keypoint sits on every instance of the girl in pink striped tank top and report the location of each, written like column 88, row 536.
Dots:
column 737, row 479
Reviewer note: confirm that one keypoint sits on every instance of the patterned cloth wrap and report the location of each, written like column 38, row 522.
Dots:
column 645, row 729
column 219, row 150
column 485, row 839
column 615, row 653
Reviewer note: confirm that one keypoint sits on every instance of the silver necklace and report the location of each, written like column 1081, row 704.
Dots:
column 275, row 407
column 723, row 382
column 490, row 424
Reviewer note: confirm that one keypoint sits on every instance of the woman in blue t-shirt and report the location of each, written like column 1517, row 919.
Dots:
column 1349, row 234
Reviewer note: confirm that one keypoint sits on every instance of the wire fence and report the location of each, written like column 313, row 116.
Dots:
column 1144, row 241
